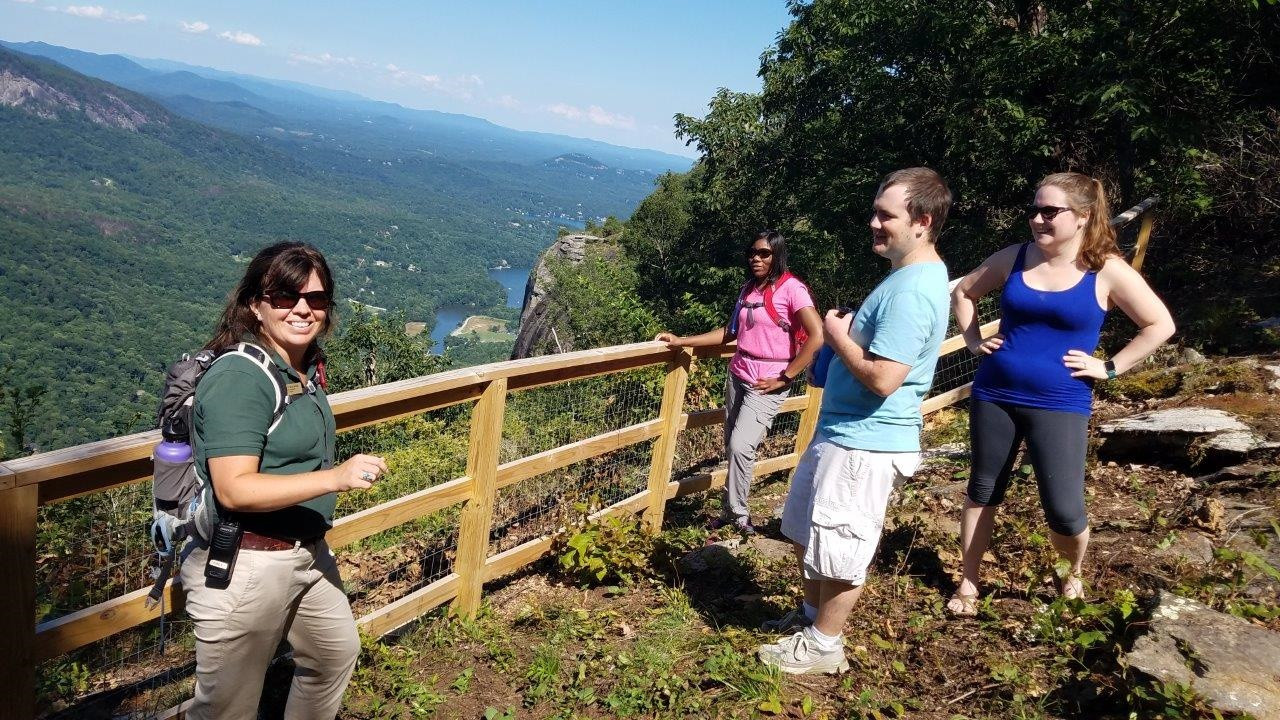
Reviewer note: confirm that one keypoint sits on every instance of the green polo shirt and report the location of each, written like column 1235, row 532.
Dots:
column 233, row 407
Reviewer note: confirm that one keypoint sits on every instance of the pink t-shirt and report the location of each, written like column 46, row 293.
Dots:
column 764, row 349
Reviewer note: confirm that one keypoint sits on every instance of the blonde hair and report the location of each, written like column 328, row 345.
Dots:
column 1086, row 195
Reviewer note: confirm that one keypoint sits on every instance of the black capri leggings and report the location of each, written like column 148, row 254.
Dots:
column 1056, row 441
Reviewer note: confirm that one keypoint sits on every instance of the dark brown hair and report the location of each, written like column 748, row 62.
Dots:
column 1086, row 195
column 283, row 266
column 927, row 194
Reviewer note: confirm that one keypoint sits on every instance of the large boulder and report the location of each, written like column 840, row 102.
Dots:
column 1204, row 437
column 1233, row 664
column 538, row 335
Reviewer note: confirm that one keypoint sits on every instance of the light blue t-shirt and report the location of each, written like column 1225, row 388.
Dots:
column 905, row 320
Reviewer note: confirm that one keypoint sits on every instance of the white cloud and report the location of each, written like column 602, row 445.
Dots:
column 26, row 2
column 328, row 60
column 194, row 27
column 241, row 37
column 594, row 114
column 506, row 101
column 461, row 86
column 97, row 12
column 600, row 116
column 89, row 11
column 567, row 111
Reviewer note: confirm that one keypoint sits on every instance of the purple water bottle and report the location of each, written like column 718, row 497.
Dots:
column 173, row 450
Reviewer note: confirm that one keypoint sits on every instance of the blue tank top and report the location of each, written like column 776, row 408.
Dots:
column 1039, row 327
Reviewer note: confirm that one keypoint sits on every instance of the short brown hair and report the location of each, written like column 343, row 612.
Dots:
column 927, row 194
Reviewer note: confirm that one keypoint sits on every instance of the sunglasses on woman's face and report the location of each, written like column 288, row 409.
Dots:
column 287, row 299
column 762, row 253
column 1048, row 212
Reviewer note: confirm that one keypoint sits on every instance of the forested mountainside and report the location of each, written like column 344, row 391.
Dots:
column 125, row 224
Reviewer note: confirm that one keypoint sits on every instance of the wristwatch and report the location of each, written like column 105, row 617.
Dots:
column 783, row 377
column 1110, row 367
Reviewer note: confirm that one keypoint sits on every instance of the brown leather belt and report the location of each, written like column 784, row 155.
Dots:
column 253, row 541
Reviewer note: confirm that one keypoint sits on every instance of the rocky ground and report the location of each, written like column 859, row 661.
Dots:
column 1182, row 616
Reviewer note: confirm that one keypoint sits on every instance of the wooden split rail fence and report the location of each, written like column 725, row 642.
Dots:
column 29, row 483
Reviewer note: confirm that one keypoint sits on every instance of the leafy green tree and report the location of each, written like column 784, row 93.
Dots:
column 398, row 355
column 20, row 402
column 1148, row 95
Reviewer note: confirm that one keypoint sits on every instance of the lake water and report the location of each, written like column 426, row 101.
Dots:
column 449, row 319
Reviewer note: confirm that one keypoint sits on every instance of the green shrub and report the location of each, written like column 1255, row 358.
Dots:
column 612, row 550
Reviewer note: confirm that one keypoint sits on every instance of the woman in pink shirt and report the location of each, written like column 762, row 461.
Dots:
column 768, row 359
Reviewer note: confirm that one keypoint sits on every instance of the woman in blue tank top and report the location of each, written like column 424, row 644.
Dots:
column 1036, row 379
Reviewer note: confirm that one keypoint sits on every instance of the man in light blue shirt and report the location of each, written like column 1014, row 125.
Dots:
column 869, row 427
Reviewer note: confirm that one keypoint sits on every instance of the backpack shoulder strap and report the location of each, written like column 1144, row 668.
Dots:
column 768, row 301
column 262, row 360
column 737, row 307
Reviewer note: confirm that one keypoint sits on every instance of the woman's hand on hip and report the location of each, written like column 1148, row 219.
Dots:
column 359, row 472
column 1085, row 365
column 988, row 346
column 768, row 385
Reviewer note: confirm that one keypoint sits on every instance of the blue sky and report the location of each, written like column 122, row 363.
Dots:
column 610, row 70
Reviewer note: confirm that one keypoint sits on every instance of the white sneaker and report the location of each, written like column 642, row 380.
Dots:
column 792, row 621
column 799, row 654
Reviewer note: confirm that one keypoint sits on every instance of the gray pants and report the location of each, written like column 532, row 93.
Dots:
column 750, row 415
column 294, row 594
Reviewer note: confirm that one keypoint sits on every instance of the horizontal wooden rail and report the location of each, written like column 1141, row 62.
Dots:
column 64, row 634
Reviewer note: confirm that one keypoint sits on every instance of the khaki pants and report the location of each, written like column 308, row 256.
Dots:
column 295, row 594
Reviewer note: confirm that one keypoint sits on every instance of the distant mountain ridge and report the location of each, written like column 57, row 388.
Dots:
column 159, row 78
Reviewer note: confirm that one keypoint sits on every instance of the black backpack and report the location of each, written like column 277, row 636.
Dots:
column 177, row 490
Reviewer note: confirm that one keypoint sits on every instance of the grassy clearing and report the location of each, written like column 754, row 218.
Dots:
column 485, row 328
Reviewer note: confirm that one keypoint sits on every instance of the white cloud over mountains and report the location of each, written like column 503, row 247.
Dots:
column 594, row 114
column 97, row 12
column 196, row 27
column 461, row 86
column 240, row 37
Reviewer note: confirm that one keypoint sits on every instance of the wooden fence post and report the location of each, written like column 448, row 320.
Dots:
column 477, row 514
column 1144, row 235
column 18, row 578
column 809, row 419
column 664, row 447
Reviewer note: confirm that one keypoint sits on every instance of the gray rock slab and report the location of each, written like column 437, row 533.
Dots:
column 1206, row 437
column 1191, row 547
column 1274, row 383
column 716, row 555
column 1233, row 664
column 1181, row 420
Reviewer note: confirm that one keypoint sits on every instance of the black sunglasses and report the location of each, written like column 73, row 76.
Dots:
column 762, row 253
column 287, row 299
column 1048, row 212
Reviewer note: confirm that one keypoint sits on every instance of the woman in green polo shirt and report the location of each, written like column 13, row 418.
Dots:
column 273, row 475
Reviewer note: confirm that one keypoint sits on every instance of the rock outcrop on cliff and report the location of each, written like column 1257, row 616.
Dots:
column 50, row 92
column 538, row 334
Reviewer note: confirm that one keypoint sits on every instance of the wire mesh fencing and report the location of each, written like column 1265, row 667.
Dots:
column 541, row 419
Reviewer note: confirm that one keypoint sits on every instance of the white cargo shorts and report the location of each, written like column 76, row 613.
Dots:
column 835, row 508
